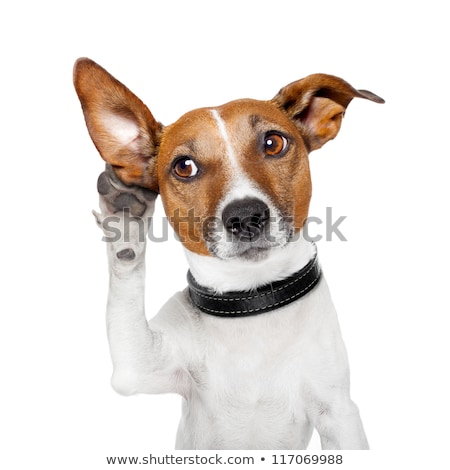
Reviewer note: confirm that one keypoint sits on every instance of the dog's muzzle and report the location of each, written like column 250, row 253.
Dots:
column 247, row 228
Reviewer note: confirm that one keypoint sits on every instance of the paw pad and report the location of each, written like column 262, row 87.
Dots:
column 126, row 254
column 119, row 196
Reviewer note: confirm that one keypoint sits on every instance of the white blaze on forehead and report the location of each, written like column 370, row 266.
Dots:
column 224, row 134
column 240, row 185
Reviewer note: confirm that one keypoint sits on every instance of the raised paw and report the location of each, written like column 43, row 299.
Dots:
column 125, row 217
column 115, row 196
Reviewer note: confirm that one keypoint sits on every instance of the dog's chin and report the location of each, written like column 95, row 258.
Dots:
column 254, row 254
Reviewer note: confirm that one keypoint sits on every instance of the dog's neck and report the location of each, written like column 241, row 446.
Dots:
column 237, row 275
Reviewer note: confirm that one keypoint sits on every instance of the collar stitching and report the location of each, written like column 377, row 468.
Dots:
column 277, row 304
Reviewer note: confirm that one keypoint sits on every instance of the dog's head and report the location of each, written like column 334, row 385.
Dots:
column 234, row 180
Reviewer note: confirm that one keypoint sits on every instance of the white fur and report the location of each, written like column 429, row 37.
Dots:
column 223, row 132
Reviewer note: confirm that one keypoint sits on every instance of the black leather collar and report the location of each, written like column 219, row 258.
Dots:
column 260, row 300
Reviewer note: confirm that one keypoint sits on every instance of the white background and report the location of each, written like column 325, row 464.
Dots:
column 387, row 172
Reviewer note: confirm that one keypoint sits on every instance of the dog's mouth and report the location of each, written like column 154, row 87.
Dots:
column 253, row 244
column 255, row 250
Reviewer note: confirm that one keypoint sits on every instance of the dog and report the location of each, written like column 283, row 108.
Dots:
column 253, row 343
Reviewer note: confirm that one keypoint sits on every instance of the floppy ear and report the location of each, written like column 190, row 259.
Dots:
column 120, row 125
column 317, row 105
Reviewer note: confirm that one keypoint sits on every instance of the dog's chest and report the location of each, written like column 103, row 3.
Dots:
column 250, row 383
column 255, row 376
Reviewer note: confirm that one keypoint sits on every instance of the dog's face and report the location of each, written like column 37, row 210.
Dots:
column 234, row 180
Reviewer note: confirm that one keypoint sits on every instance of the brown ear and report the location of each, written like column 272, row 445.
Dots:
column 120, row 125
column 317, row 105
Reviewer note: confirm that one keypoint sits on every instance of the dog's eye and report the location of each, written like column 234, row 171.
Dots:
column 275, row 144
column 185, row 168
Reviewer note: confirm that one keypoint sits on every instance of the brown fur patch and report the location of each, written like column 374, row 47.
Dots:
column 190, row 204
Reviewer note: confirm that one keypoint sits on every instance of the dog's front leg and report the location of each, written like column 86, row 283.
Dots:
column 144, row 360
column 340, row 426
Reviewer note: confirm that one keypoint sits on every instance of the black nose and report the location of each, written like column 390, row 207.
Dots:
column 246, row 218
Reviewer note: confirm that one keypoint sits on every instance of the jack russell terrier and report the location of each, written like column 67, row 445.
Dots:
column 253, row 343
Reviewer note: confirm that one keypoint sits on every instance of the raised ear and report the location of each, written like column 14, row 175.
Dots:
column 120, row 125
column 317, row 105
